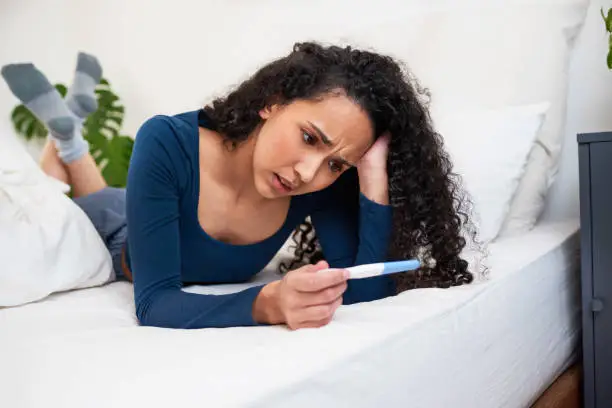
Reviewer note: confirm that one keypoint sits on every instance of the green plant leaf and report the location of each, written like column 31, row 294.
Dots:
column 607, row 20
column 61, row 88
column 110, row 149
column 609, row 59
column 117, row 155
column 108, row 119
column 26, row 124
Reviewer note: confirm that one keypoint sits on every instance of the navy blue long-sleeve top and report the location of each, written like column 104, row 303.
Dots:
column 167, row 247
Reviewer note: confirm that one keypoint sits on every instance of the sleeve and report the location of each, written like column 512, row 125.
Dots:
column 354, row 231
column 154, row 243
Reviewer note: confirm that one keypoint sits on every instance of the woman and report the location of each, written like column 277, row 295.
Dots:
column 335, row 134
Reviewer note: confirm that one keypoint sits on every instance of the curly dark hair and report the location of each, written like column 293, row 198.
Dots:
column 430, row 208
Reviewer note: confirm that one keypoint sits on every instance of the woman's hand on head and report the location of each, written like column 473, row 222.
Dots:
column 303, row 298
column 372, row 170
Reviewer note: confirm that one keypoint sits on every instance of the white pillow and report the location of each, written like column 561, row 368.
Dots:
column 47, row 243
column 489, row 149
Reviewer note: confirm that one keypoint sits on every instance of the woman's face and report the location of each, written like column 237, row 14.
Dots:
column 305, row 146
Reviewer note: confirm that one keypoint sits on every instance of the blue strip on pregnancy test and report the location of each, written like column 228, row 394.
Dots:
column 400, row 266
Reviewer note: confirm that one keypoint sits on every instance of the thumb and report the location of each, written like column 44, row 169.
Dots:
column 320, row 266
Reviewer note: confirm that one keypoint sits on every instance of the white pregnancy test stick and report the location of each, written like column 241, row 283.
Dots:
column 381, row 268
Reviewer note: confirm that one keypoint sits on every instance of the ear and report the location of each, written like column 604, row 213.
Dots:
column 268, row 111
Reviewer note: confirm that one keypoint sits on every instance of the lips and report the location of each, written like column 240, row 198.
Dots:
column 283, row 184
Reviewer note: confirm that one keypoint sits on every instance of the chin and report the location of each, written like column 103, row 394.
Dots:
column 266, row 192
column 265, row 189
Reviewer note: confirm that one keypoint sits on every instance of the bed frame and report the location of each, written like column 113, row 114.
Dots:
column 565, row 392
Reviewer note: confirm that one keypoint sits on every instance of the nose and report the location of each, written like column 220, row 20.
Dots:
column 307, row 168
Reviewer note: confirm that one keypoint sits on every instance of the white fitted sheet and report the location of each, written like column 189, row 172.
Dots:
column 498, row 343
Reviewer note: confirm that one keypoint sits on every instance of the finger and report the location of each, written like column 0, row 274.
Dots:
column 319, row 312
column 315, row 313
column 301, row 300
column 315, row 324
column 319, row 280
column 309, row 268
column 319, row 266
column 293, row 277
column 382, row 141
column 325, row 296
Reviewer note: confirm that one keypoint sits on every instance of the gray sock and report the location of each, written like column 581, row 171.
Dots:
column 35, row 91
column 81, row 97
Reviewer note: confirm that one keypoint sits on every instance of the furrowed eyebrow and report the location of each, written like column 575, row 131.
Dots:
column 322, row 135
column 326, row 141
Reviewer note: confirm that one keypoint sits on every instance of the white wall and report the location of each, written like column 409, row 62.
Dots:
column 34, row 30
column 131, row 38
column 589, row 108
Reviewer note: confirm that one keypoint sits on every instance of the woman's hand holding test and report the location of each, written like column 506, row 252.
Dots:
column 303, row 298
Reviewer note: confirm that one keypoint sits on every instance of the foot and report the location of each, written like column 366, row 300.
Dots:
column 35, row 91
column 81, row 97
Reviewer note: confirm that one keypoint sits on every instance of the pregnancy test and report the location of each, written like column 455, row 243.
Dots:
column 381, row 268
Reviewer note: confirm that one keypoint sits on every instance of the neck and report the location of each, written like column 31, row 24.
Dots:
column 238, row 170
column 230, row 167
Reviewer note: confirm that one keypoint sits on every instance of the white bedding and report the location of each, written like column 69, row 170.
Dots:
column 494, row 344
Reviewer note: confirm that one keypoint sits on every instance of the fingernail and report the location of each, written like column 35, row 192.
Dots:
column 346, row 274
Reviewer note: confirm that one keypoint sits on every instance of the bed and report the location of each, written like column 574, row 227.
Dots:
column 497, row 343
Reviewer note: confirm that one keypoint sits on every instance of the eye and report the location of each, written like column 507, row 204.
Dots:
column 335, row 166
column 308, row 138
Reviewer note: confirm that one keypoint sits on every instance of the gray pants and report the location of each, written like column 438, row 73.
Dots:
column 106, row 210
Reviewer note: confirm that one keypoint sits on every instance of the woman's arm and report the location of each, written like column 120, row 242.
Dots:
column 372, row 170
column 355, row 230
column 154, row 183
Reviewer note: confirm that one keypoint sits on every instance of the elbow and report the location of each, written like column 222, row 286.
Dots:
column 147, row 313
column 162, row 309
column 143, row 315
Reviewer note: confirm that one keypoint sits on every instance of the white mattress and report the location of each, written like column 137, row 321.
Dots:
column 494, row 344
